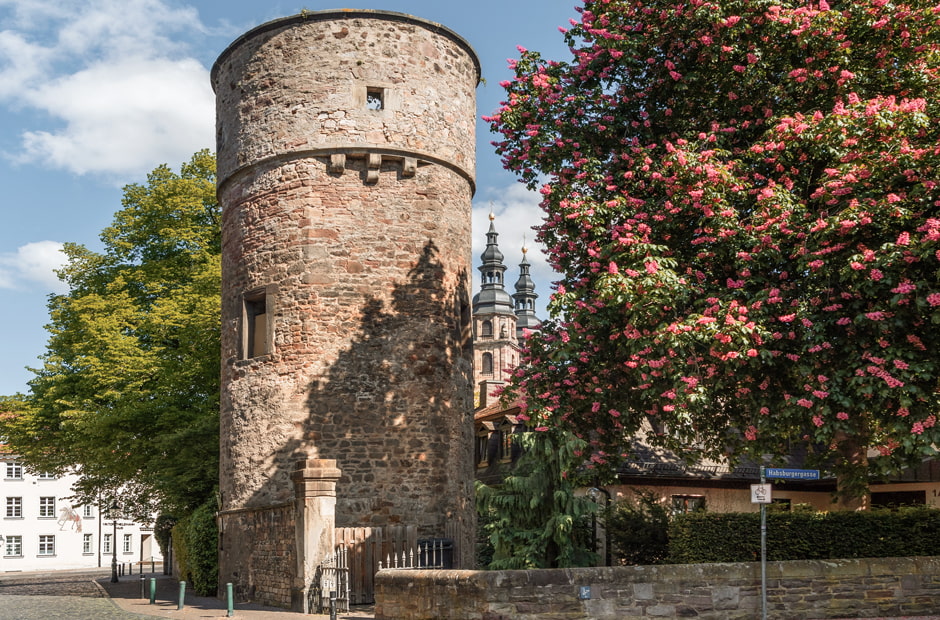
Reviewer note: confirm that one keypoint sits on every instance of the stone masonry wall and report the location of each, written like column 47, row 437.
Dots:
column 262, row 555
column 374, row 381
column 798, row 590
column 299, row 85
column 349, row 223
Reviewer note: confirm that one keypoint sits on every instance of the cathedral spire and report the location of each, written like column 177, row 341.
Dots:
column 492, row 298
column 525, row 297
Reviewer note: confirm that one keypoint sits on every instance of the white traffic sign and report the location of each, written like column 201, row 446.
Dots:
column 761, row 493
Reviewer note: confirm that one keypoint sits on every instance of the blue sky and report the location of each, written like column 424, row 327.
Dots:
column 96, row 93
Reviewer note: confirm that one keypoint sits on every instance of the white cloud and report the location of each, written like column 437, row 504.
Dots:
column 33, row 264
column 120, row 90
column 125, row 117
column 516, row 211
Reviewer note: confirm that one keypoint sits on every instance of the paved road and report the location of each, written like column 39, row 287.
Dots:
column 62, row 596
column 89, row 595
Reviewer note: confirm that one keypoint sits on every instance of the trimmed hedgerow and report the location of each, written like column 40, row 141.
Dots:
column 735, row 537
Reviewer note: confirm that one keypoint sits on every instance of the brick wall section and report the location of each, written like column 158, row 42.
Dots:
column 355, row 223
column 796, row 591
column 262, row 556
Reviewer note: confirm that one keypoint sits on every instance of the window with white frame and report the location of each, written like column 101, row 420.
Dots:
column 46, row 544
column 106, row 544
column 46, row 507
column 14, row 546
column 88, row 543
column 46, row 476
column 14, row 471
column 14, row 508
column 88, row 511
column 128, row 545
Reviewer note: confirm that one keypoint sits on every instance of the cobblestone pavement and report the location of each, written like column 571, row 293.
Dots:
column 126, row 595
column 57, row 596
column 89, row 595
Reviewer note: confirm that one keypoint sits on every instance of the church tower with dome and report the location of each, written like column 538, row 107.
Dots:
column 499, row 320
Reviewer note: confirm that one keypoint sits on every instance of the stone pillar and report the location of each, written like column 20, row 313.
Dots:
column 315, row 519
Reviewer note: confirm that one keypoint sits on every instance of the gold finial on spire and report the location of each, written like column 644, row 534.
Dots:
column 492, row 215
column 524, row 249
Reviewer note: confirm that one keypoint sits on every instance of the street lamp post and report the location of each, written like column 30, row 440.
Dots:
column 114, row 571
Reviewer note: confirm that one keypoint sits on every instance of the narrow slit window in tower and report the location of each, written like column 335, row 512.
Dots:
column 487, row 363
column 256, row 326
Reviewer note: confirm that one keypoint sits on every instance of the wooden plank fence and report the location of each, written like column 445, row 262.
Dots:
column 366, row 547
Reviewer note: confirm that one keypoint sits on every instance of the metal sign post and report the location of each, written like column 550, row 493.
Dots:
column 764, row 497
column 761, row 494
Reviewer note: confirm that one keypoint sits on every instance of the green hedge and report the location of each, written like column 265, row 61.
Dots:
column 638, row 530
column 162, row 531
column 735, row 537
column 195, row 543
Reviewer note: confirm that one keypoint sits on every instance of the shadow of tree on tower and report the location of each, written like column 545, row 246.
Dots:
column 394, row 409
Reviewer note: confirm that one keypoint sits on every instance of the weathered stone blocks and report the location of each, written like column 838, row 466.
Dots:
column 826, row 589
column 345, row 174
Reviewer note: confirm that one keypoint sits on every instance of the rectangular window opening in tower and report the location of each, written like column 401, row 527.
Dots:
column 255, row 334
column 375, row 98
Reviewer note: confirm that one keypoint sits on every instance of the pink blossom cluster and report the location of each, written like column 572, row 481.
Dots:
column 746, row 249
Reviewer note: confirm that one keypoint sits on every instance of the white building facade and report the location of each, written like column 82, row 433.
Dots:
column 40, row 529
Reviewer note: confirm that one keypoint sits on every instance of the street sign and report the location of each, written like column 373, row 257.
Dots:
column 792, row 474
column 761, row 493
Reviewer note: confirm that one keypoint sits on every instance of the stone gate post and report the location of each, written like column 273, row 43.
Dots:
column 314, row 518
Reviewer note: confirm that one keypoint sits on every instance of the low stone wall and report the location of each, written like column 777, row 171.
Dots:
column 796, row 590
column 262, row 561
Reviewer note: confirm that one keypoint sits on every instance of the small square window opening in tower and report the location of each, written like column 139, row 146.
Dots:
column 375, row 98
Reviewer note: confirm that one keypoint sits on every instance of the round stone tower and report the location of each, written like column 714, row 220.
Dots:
column 345, row 174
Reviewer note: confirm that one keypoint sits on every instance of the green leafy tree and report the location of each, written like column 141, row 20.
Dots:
column 532, row 518
column 128, row 392
column 638, row 529
column 742, row 198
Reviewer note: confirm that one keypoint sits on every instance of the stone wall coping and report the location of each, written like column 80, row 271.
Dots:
column 333, row 14
column 641, row 574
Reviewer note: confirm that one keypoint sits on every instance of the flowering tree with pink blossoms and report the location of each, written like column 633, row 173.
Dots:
column 743, row 199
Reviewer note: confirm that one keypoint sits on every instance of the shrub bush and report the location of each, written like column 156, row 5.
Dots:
column 638, row 530
column 735, row 537
column 162, row 530
column 195, row 543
